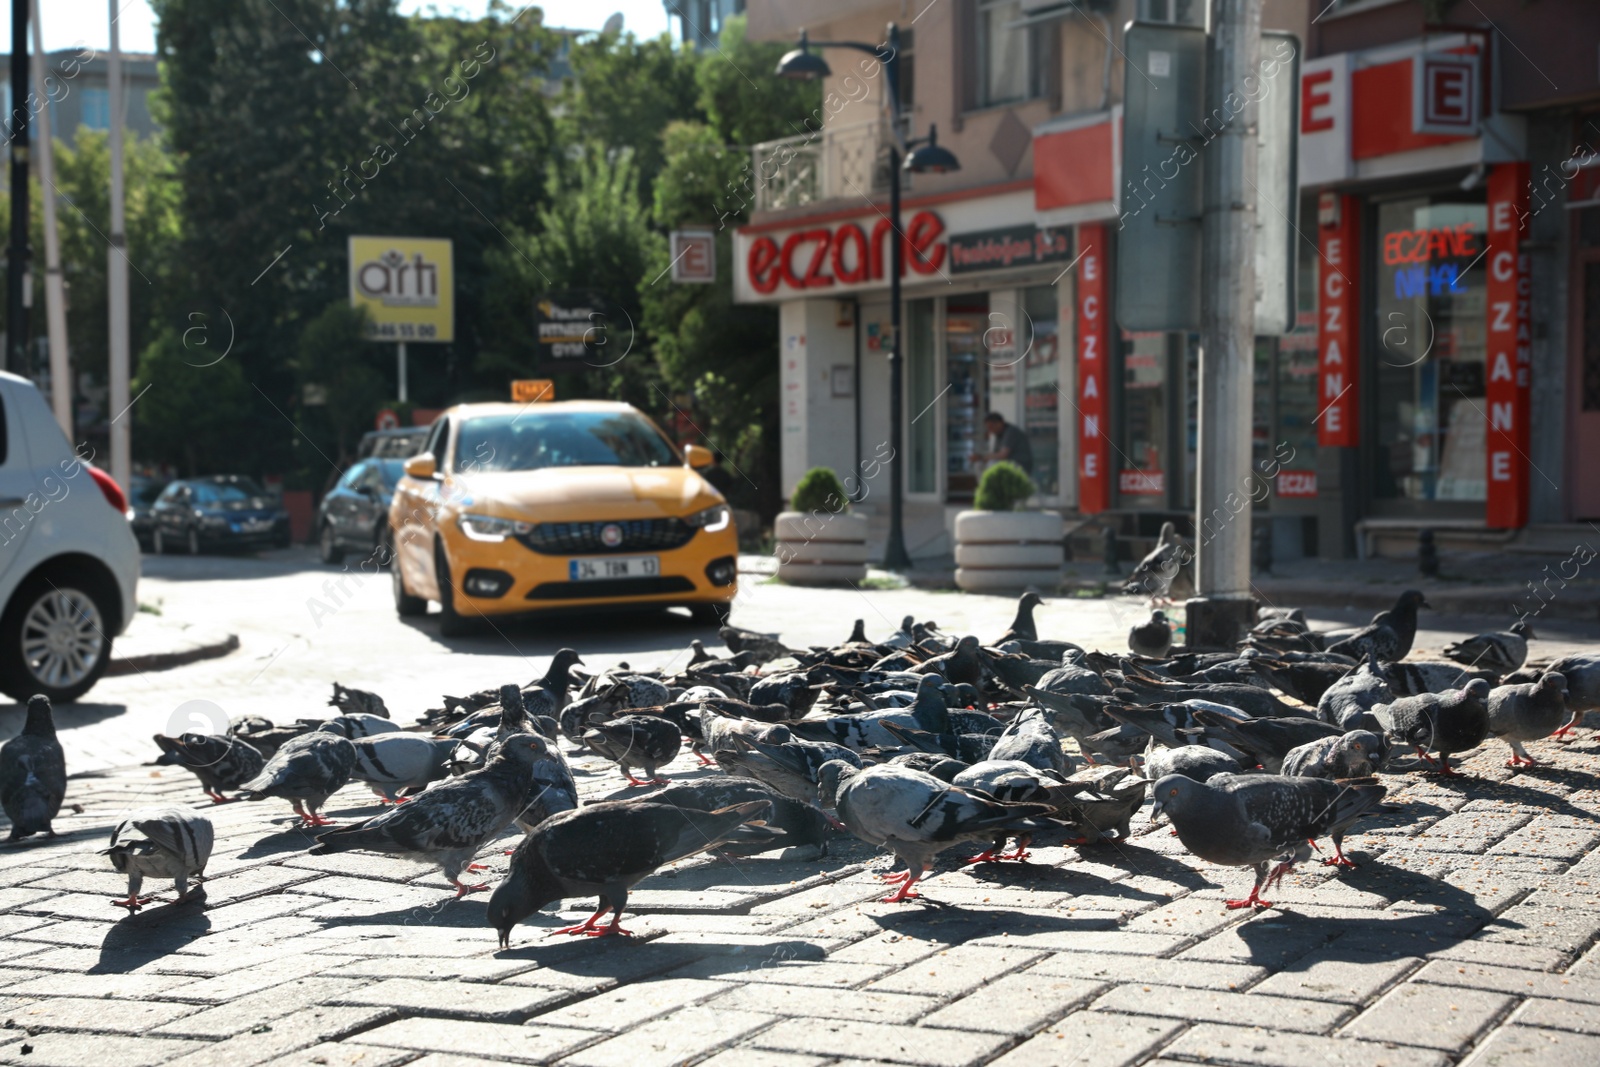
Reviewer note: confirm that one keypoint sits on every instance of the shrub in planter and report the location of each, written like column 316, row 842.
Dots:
column 999, row 548
column 819, row 543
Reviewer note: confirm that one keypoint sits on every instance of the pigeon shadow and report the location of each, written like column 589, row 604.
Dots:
column 67, row 716
column 149, row 935
column 958, row 924
column 1510, row 790
column 469, row 912
column 281, row 843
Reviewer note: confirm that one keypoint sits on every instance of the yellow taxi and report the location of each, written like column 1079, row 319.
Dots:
column 515, row 508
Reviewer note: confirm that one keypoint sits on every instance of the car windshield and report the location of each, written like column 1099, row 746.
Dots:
column 534, row 440
column 145, row 493
column 224, row 492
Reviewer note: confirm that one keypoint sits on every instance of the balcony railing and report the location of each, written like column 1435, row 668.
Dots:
column 834, row 162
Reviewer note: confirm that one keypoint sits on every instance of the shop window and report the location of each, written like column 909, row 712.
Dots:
column 1141, row 479
column 1041, row 384
column 1009, row 70
column 966, row 399
column 1429, row 341
column 921, row 393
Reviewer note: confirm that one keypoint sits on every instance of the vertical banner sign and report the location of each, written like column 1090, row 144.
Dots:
column 1094, row 347
column 1338, row 355
column 1510, row 359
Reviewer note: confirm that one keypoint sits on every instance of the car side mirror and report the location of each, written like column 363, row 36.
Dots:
column 698, row 456
column 422, row 466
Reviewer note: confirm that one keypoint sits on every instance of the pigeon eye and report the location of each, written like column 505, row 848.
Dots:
column 1172, row 792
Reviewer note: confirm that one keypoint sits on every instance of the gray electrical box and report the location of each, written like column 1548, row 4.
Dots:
column 1277, row 177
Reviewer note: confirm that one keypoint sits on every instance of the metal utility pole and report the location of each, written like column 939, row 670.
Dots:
column 55, row 304
column 1223, row 608
column 17, row 296
column 117, row 274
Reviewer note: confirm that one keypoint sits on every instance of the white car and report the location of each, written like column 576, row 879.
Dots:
column 69, row 563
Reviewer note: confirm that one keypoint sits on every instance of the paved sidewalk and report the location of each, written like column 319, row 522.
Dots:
column 155, row 643
column 1467, row 935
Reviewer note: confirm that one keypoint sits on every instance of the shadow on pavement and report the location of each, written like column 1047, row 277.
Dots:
column 151, row 934
column 67, row 716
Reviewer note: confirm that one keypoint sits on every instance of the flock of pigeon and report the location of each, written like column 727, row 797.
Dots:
column 916, row 744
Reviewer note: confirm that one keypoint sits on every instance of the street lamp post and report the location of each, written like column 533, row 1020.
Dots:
column 915, row 156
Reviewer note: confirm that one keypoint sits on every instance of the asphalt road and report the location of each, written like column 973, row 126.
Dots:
column 303, row 625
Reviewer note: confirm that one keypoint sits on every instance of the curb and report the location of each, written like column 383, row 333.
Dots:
column 166, row 661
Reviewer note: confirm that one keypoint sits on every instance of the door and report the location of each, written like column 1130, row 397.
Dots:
column 1583, row 473
column 17, row 487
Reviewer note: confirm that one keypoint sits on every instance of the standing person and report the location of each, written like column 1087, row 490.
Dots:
column 1008, row 442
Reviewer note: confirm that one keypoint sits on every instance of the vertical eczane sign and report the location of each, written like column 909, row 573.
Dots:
column 1094, row 339
column 1510, row 360
column 1338, row 355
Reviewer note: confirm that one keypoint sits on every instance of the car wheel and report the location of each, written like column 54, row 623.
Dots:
column 53, row 640
column 158, row 544
column 451, row 622
column 328, row 544
column 194, row 541
column 405, row 605
column 710, row 614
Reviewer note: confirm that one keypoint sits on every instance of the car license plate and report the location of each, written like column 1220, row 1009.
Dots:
column 255, row 525
column 583, row 570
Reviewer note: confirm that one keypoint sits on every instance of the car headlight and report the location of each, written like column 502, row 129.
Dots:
column 490, row 528
column 712, row 519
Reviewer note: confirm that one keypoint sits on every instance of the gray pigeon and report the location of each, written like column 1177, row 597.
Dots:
column 397, row 764
column 803, row 825
column 1030, row 738
column 1363, row 689
column 1527, row 712
column 1501, row 652
column 1252, row 820
column 927, row 712
column 606, row 849
column 219, row 761
column 1155, row 573
column 354, row 726
column 917, row 816
column 159, row 843
column 960, row 664
column 1453, row 721
column 306, row 771
column 784, row 763
column 1151, row 639
column 645, row 741
column 33, row 773
column 1268, row 740
column 1356, row 754
column 1012, row 782
column 1022, row 626
column 449, row 823
column 550, row 788
column 1390, row 633
column 1199, row 762
column 357, row 701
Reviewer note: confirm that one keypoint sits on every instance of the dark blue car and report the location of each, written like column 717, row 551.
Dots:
column 218, row 512
column 354, row 516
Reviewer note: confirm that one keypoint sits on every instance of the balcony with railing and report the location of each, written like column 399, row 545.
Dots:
column 835, row 162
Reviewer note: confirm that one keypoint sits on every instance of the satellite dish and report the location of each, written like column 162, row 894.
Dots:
column 613, row 25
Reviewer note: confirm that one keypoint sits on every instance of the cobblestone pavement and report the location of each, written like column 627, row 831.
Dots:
column 1467, row 935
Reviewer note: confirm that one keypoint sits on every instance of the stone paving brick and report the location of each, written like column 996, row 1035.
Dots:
column 17, row 896
column 500, row 1041
column 242, row 1013
column 1188, row 974
column 1430, row 1016
column 671, row 1039
column 1017, row 1004
column 79, row 933
column 1348, row 978
column 98, row 1016
column 751, row 1057
column 863, row 1005
column 1093, row 1039
column 1285, row 1013
column 10, row 976
column 1091, row 941
column 1559, row 928
column 1267, row 940
column 346, row 1054
column 1525, row 1046
column 1472, row 831
column 1502, row 954
column 1511, row 980
column 1559, row 1015
column 953, row 971
column 245, row 979
column 89, row 1050
column 891, row 950
column 634, row 1004
column 131, row 986
column 785, row 972
column 479, row 1001
column 895, row 1044
column 271, row 1042
column 1255, row 1047
column 458, row 969
column 1549, row 839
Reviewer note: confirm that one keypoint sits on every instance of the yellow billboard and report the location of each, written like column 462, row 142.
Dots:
column 407, row 285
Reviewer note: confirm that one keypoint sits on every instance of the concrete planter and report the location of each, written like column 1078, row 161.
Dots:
column 1002, row 551
column 816, row 548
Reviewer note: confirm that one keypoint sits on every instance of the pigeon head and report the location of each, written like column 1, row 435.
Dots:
column 1159, row 616
column 830, row 776
column 1523, row 630
column 1029, row 600
column 1553, row 680
column 528, row 886
column 907, row 623
column 1412, row 599
column 968, row 644
column 39, row 722
column 523, row 749
column 1176, row 794
column 1361, row 752
column 1477, row 689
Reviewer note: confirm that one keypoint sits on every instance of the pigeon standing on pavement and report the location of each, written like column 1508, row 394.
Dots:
column 646, row 741
column 220, row 762
column 960, row 664
column 1198, row 762
column 803, row 825
column 357, row 701
column 1501, row 652
column 1155, row 573
column 306, row 771
column 449, row 823
column 393, row 765
column 160, row 843
column 1528, row 712
column 1152, row 639
column 33, row 773
column 1356, row 754
column 1022, row 626
column 606, row 849
column 1358, row 692
column 1254, row 820
column 784, row 763
column 1449, row 722
column 1390, row 633
column 1030, row 738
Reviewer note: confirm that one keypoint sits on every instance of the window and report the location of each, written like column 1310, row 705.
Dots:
column 536, row 440
column 1008, row 63
column 95, row 111
column 352, row 476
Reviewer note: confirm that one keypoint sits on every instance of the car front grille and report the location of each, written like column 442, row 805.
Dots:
column 611, row 587
column 584, row 538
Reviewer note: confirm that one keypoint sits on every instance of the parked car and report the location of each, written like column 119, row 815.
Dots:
column 222, row 511
column 354, row 516
column 69, row 563
column 392, row 444
column 142, row 496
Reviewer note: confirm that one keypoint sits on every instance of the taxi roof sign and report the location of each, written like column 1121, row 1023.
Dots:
column 532, row 390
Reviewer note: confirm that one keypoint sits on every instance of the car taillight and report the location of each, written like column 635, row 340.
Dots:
column 108, row 486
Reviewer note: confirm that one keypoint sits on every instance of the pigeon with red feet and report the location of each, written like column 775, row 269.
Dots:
column 219, row 761
column 1530, row 711
column 1453, row 721
column 646, row 741
column 604, row 850
column 306, row 771
column 160, row 843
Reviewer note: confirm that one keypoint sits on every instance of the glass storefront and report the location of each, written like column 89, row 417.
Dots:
column 1141, row 475
column 966, row 370
column 1428, row 326
column 1041, row 392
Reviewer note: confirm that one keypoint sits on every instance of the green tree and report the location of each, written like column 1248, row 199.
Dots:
column 188, row 407
column 341, row 386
